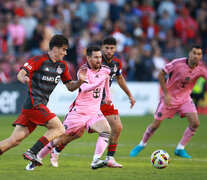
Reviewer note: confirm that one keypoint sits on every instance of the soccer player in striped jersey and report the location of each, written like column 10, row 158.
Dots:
column 85, row 110
column 175, row 98
column 109, row 110
column 41, row 74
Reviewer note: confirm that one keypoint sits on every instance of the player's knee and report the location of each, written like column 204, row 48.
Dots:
column 195, row 125
column 155, row 125
column 117, row 129
column 107, row 129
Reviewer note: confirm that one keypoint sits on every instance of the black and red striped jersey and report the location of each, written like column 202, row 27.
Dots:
column 44, row 75
column 115, row 65
column 116, row 70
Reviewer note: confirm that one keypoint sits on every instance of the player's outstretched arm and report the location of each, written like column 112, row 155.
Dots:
column 21, row 76
column 122, row 83
column 89, row 87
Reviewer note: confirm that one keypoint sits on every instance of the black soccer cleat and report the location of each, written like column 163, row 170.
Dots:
column 29, row 155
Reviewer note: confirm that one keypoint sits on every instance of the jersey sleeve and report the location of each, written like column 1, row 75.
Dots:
column 169, row 67
column 32, row 64
column 119, row 71
column 204, row 72
column 86, row 87
column 66, row 77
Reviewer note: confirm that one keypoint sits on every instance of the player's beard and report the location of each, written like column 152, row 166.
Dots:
column 194, row 62
column 97, row 66
column 108, row 57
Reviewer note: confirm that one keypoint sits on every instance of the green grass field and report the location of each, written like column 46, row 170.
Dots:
column 75, row 160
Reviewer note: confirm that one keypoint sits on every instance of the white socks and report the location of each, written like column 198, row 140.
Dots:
column 180, row 146
column 96, row 156
column 142, row 143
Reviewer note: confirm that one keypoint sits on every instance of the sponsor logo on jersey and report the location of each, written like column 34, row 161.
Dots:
column 96, row 76
column 51, row 79
column 47, row 69
column 28, row 66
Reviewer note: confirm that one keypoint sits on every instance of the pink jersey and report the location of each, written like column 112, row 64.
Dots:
column 91, row 91
column 182, row 79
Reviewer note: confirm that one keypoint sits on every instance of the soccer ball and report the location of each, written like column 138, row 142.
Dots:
column 160, row 159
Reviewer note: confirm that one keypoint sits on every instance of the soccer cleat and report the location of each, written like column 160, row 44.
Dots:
column 134, row 152
column 112, row 163
column 98, row 163
column 29, row 155
column 30, row 167
column 54, row 158
column 182, row 153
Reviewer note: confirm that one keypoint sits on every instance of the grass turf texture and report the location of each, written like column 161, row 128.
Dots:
column 75, row 160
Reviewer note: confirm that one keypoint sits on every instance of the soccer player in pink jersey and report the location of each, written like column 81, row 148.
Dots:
column 108, row 109
column 175, row 98
column 85, row 110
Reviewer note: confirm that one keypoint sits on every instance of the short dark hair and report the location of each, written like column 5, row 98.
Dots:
column 109, row 40
column 58, row 41
column 90, row 50
column 197, row 46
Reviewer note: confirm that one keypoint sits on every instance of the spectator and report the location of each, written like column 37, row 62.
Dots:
column 158, row 61
column 186, row 27
column 4, row 78
column 17, row 33
column 146, row 66
column 167, row 22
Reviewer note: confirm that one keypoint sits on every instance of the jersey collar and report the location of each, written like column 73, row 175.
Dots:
column 51, row 59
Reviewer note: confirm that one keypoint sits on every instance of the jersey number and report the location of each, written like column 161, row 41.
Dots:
column 184, row 83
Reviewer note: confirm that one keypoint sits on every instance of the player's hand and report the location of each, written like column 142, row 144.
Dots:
column 167, row 99
column 132, row 102
column 107, row 101
column 82, row 73
column 107, row 76
column 24, row 79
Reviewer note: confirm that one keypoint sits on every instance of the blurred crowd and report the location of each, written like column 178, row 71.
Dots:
column 149, row 33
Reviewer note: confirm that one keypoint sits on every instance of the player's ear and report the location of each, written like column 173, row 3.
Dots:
column 55, row 48
column 189, row 53
column 87, row 58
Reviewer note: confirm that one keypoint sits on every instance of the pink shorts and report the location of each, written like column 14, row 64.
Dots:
column 74, row 121
column 167, row 112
